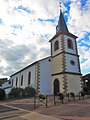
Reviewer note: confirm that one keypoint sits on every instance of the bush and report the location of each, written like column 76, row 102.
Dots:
column 41, row 96
column 15, row 93
column 20, row 92
column 30, row 92
column 2, row 94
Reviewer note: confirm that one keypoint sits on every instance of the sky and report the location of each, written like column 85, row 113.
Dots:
column 26, row 26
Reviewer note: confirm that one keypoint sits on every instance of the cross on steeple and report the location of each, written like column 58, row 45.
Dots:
column 61, row 27
column 60, row 6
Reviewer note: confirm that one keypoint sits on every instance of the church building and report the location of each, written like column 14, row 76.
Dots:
column 65, row 66
column 58, row 73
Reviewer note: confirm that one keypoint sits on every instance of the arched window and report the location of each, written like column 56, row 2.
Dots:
column 29, row 78
column 16, row 81
column 70, row 44
column 21, row 80
column 56, row 45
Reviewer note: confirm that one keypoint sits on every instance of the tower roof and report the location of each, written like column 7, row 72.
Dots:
column 62, row 27
column 62, row 24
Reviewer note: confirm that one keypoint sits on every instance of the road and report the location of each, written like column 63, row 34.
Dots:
column 24, row 110
column 12, row 110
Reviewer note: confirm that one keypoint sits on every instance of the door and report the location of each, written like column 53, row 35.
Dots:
column 56, row 87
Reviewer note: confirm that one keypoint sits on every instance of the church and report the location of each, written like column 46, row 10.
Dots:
column 59, row 72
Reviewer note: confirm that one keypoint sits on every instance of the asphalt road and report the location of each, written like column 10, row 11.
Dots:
column 6, row 109
column 13, row 110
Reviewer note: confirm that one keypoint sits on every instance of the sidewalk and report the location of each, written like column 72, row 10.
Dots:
column 38, row 116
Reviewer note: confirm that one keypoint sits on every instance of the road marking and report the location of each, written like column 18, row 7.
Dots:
column 15, row 107
column 9, row 116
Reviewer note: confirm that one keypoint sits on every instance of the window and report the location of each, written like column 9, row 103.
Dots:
column 70, row 44
column 72, row 62
column 56, row 45
column 29, row 78
column 49, row 60
column 16, row 81
column 12, row 82
column 9, row 82
column 21, row 80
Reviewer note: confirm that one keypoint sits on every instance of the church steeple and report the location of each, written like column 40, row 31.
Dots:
column 66, row 75
column 61, row 27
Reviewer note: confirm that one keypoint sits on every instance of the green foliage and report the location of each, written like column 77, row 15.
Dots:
column 30, row 92
column 15, row 92
column 41, row 96
column 2, row 94
column 20, row 92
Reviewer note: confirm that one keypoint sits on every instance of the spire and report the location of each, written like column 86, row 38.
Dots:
column 61, row 27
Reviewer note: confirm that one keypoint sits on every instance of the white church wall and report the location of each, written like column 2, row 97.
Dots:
column 25, row 76
column 24, row 72
column 69, row 66
column 13, row 79
column 74, row 83
column 57, row 64
column 45, row 76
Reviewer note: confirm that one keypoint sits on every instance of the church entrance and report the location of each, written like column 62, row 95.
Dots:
column 56, row 87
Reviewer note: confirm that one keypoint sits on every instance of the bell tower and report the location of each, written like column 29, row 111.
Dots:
column 66, row 74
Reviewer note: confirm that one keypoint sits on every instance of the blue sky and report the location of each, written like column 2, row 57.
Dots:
column 26, row 26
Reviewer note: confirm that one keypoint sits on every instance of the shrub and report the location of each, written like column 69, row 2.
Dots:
column 20, row 92
column 41, row 96
column 15, row 93
column 30, row 92
column 2, row 94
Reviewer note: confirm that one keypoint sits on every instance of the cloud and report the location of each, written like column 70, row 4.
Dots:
column 78, row 23
column 14, row 57
column 27, row 26
column 78, row 18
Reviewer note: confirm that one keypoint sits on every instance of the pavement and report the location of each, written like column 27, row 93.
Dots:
column 38, row 116
column 24, row 110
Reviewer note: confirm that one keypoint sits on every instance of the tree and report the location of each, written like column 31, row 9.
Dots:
column 2, row 94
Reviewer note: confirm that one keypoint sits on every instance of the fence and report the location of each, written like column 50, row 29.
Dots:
column 59, row 98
